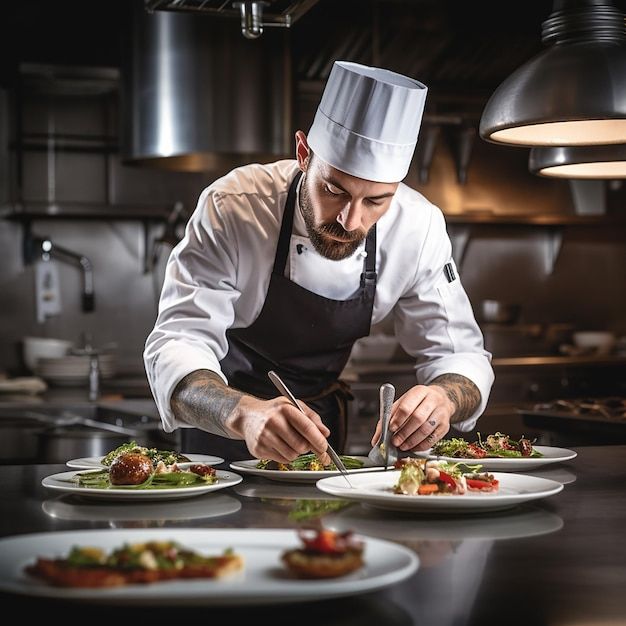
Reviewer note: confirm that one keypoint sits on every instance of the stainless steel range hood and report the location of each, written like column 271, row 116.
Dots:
column 200, row 97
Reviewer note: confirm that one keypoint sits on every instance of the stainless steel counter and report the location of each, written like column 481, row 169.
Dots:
column 559, row 561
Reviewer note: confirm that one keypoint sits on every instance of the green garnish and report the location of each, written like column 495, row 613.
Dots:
column 308, row 462
column 163, row 480
column 167, row 456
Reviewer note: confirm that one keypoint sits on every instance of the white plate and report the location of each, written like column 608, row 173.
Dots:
column 264, row 579
column 305, row 476
column 147, row 513
column 93, row 462
column 550, row 455
column 376, row 489
column 63, row 482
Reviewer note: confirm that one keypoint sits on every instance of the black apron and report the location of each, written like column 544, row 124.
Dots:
column 306, row 338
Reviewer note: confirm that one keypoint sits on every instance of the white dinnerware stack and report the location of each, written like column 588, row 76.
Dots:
column 73, row 369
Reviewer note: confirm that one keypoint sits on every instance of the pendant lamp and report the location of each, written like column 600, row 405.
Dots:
column 608, row 162
column 574, row 92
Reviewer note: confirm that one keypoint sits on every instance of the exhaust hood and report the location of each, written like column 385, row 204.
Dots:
column 199, row 97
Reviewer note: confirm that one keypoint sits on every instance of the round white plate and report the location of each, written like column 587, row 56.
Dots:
column 93, row 462
column 147, row 513
column 550, row 455
column 264, row 579
column 305, row 476
column 63, row 482
column 376, row 489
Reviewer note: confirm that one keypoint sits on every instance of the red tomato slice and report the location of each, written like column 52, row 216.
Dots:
column 482, row 485
column 325, row 541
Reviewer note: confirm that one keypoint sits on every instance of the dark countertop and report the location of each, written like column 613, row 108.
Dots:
column 556, row 561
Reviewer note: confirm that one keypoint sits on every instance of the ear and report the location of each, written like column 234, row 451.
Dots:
column 302, row 150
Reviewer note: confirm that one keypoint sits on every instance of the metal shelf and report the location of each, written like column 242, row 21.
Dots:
column 353, row 372
column 82, row 210
column 462, row 225
column 557, row 219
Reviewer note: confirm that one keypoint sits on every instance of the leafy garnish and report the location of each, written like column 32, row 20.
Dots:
column 167, row 456
column 308, row 462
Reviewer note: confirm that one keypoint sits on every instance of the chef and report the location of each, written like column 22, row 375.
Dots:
column 285, row 265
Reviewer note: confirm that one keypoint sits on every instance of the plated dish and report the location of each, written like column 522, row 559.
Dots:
column 377, row 489
column 549, row 454
column 65, row 482
column 249, row 466
column 95, row 462
column 264, row 579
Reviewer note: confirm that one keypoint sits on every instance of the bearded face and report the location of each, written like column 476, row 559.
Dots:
column 330, row 200
column 330, row 239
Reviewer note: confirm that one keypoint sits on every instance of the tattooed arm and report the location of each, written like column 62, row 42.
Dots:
column 422, row 416
column 462, row 392
column 201, row 399
column 272, row 429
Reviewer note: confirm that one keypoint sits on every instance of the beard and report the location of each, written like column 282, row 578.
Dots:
column 322, row 235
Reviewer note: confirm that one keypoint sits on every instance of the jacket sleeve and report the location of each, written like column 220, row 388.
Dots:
column 435, row 323
column 196, row 305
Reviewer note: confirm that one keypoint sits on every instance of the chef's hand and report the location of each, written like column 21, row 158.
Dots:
column 275, row 429
column 419, row 418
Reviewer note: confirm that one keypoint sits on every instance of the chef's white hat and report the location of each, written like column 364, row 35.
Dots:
column 368, row 121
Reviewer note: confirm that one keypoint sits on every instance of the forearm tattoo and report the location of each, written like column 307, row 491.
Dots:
column 203, row 400
column 463, row 393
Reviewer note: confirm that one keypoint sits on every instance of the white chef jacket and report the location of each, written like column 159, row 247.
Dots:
column 217, row 277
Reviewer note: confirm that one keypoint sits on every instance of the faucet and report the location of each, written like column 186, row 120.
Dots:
column 48, row 249
column 94, row 377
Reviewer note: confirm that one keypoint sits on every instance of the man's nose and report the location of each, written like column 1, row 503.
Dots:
column 350, row 216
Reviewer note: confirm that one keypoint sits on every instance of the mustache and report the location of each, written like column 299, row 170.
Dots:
column 334, row 229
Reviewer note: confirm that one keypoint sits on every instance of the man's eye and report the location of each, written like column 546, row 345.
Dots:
column 333, row 190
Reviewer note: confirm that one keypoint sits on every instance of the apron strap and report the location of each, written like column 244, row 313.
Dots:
column 282, row 249
column 337, row 387
column 368, row 277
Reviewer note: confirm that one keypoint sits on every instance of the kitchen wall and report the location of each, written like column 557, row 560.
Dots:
column 585, row 285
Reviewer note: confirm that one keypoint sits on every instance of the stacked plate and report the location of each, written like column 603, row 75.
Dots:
column 74, row 369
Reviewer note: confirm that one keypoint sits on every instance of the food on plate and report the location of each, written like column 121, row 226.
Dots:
column 140, row 563
column 429, row 478
column 167, row 456
column 308, row 462
column 130, row 468
column 324, row 554
column 136, row 471
column 497, row 445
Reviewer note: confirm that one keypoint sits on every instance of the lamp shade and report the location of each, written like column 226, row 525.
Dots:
column 574, row 92
column 591, row 162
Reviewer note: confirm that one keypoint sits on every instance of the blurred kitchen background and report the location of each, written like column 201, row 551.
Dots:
column 93, row 96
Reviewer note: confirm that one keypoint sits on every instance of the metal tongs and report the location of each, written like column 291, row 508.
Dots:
column 384, row 452
column 284, row 390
